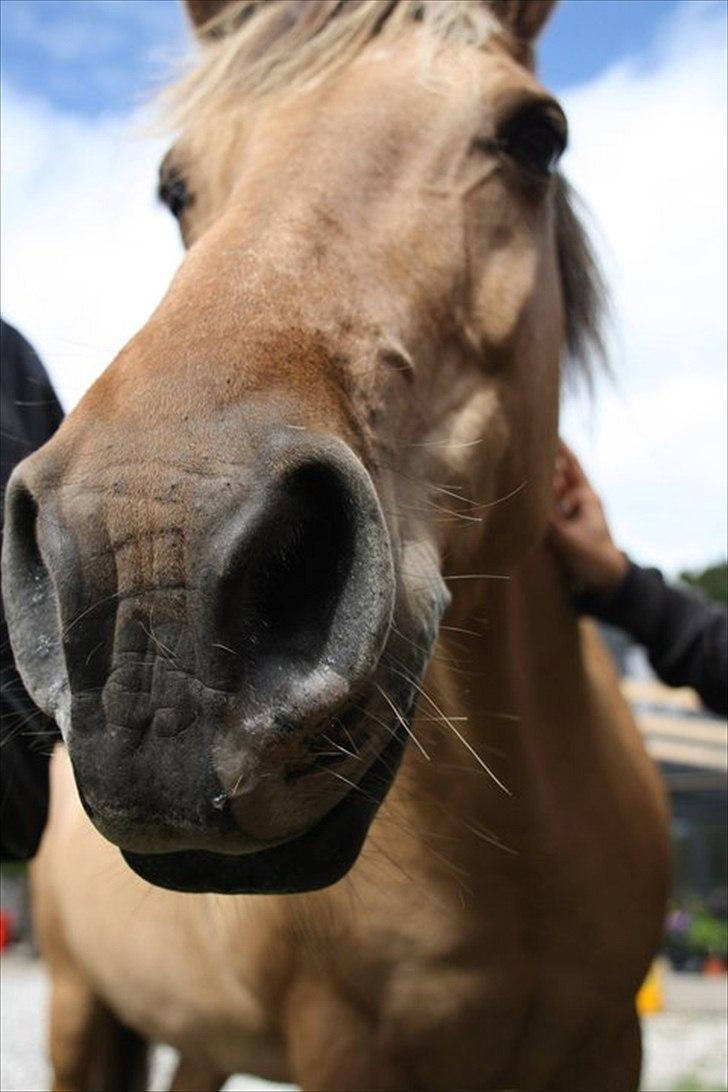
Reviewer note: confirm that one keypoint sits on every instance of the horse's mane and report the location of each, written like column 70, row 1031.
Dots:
column 253, row 48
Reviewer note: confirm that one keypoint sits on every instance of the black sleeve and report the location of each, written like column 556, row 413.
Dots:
column 30, row 415
column 685, row 635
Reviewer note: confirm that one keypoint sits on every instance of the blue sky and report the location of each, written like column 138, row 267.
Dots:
column 87, row 252
column 99, row 56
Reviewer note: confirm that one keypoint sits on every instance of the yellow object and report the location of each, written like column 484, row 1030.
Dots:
column 650, row 997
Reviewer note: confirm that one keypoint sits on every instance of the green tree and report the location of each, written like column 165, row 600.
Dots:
column 712, row 581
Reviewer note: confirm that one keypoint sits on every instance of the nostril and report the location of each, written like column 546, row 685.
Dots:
column 25, row 572
column 286, row 578
column 298, row 586
column 30, row 600
column 38, row 565
column 23, row 518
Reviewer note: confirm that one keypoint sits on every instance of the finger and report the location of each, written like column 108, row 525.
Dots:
column 571, row 501
column 560, row 483
column 557, row 521
column 573, row 467
column 578, row 472
column 563, row 530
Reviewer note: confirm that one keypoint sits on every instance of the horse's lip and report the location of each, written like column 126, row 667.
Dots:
column 308, row 862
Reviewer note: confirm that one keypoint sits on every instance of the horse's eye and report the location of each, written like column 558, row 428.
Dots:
column 174, row 194
column 535, row 137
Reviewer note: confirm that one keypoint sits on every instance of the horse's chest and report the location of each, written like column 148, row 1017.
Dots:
column 210, row 1020
column 450, row 1022
column 507, row 1025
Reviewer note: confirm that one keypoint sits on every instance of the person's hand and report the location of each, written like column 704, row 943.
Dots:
column 579, row 529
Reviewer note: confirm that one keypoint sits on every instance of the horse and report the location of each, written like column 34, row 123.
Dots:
column 283, row 580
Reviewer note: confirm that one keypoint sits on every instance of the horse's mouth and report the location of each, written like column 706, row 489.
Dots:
column 316, row 859
column 171, row 842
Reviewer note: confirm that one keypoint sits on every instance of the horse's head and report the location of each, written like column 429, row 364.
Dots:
column 224, row 575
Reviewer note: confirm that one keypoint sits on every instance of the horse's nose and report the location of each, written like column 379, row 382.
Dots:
column 298, row 587
column 295, row 583
column 189, row 705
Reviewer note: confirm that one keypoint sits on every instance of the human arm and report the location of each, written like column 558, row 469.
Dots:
column 685, row 635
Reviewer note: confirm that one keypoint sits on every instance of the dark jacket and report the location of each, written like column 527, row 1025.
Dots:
column 30, row 414
column 685, row 635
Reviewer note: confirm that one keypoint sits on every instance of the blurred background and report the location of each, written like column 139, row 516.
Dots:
column 87, row 253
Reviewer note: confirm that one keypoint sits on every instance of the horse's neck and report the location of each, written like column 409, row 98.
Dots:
column 518, row 673
column 469, row 876
column 514, row 711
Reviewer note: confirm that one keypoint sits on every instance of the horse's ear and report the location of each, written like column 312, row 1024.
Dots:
column 523, row 18
column 202, row 12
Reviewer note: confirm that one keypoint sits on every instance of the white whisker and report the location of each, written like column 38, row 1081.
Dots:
column 459, row 735
column 478, row 576
column 403, row 722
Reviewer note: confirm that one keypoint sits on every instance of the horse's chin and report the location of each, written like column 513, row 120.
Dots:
column 318, row 858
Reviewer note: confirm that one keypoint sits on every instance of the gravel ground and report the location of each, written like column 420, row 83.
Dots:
column 687, row 1044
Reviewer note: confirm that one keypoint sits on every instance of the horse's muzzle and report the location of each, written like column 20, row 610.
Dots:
column 203, row 708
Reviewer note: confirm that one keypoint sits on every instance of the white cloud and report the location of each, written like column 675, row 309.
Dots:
column 87, row 254
column 649, row 155
column 86, row 251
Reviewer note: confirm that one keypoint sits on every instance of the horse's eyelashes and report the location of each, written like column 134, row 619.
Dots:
column 173, row 192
